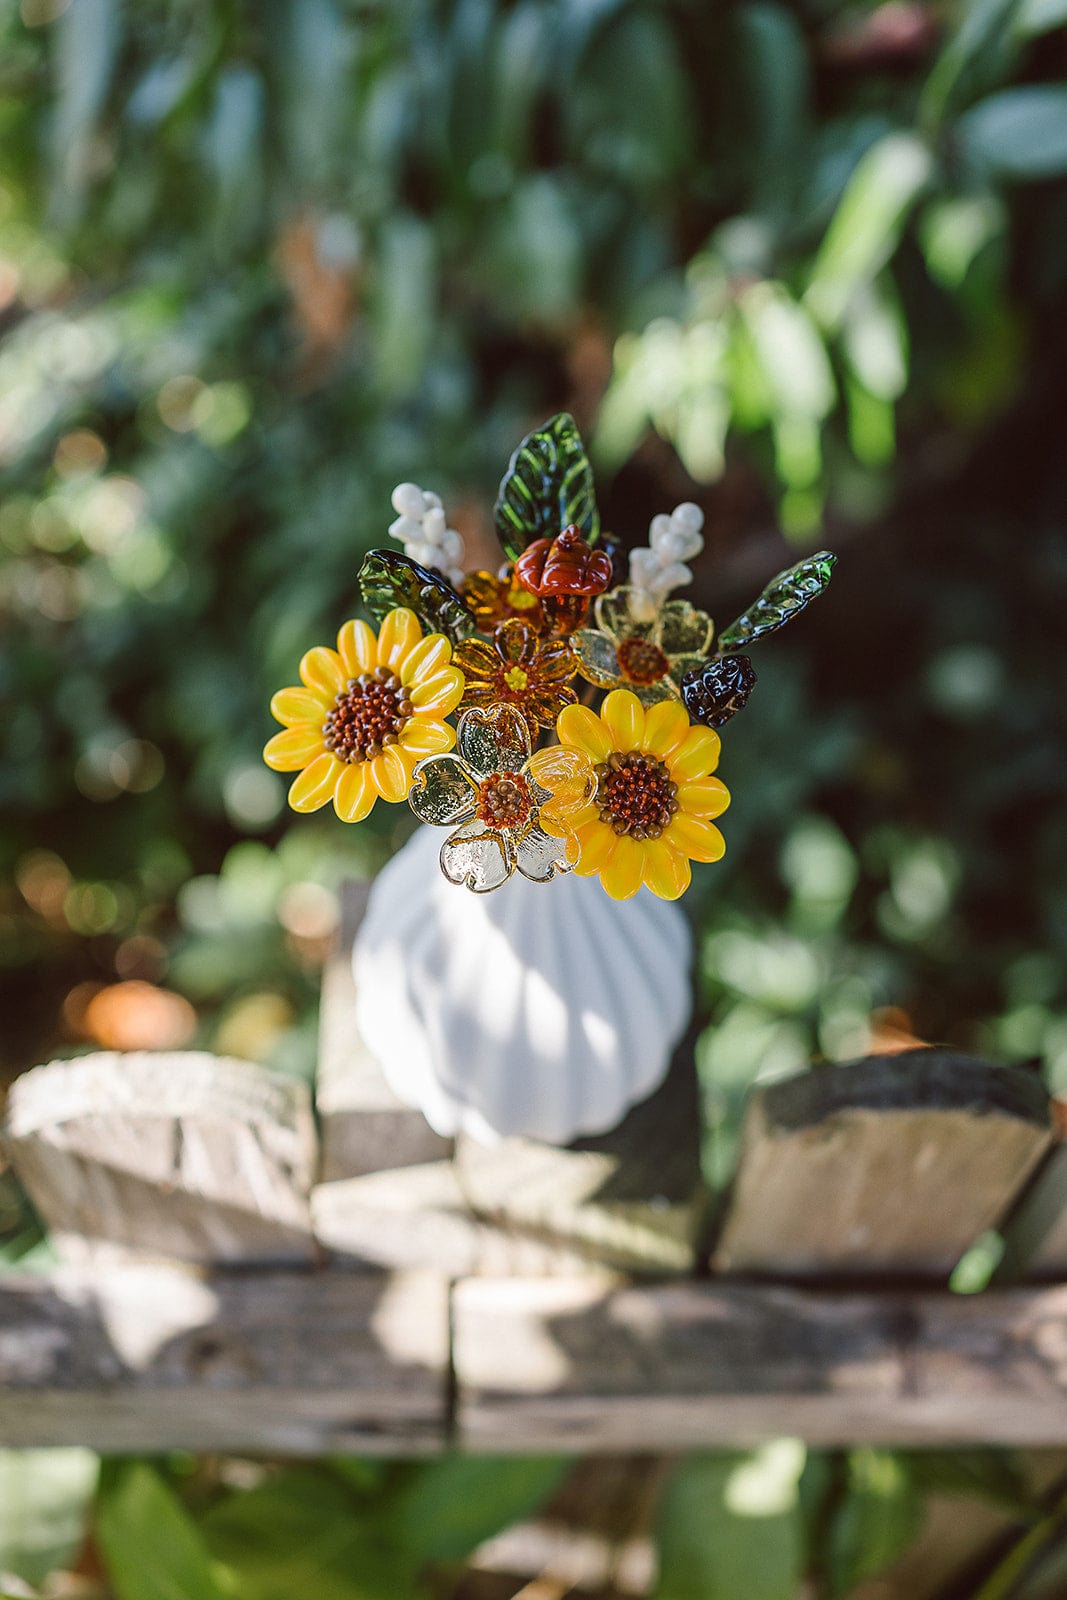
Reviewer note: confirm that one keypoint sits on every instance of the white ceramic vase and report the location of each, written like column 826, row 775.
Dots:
column 543, row 1010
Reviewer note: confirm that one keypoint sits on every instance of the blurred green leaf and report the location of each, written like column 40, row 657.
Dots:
column 44, row 1503
column 150, row 1545
column 868, row 222
column 877, row 1520
column 731, row 1525
column 88, row 35
column 1018, row 134
column 450, row 1506
column 302, row 1532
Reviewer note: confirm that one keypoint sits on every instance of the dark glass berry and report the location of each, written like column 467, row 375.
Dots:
column 715, row 692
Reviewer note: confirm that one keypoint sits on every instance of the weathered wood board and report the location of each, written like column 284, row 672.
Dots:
column 157, row 1358
column 395, row 1193
column 887, row 1167
column 363, row 1125
column 184, row 1154
column 561, row 1365
column 1035, row 1234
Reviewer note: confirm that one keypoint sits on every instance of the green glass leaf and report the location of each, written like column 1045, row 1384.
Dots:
column 547, row 487
column 388, row 579
column 783, row 598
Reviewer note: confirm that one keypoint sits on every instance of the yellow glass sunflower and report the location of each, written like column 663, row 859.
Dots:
column 364, row 714
column 651, row 812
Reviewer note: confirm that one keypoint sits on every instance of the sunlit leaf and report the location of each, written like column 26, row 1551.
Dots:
column 151, row 1547
column 44, row 1502
column 548, row 486
column 783, row 598
column 868, row 222
column 388, row 579
column 730, row 1525
column 877, row 1520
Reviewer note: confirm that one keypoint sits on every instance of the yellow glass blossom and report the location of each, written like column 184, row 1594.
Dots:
column 364, row 714
column 651, row 812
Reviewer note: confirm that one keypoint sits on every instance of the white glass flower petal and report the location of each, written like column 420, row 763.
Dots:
column 443, row 792
column 493, row 739
column 477, row 857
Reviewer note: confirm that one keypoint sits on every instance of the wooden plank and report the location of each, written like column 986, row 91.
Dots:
column 561, row 1365
column 887, row 1167
column 1035, row 1233
column 156, row 1358
column 630, row 1199
column 394, row 1193
column 185, row 1154
column 363, row 1126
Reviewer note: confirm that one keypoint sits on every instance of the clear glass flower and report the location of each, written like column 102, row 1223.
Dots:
column 648, row 657
column 486, row 793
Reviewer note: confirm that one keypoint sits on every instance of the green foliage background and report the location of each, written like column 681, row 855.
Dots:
column 803, row 263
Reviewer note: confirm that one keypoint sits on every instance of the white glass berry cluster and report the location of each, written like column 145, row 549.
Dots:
column 422, row 528
column 660, row 566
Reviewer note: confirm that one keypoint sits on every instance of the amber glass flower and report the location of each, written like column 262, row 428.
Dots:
column 364, row 715
column 648, row 657
column 487, row 795
column 493, row 599
column 518, row 669
column 651, row 812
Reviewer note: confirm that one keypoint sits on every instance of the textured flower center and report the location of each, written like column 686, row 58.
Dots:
column 635, row 794
column 366, row 716
column 641, row 661
column 516, row 679
column 504, row 800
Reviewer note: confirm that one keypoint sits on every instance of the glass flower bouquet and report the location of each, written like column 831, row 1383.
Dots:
column 624, row 792
column 558, row 718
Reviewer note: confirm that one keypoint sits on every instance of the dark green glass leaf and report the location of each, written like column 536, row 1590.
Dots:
column 388, row 579
column 547, row 487
column 784, row 598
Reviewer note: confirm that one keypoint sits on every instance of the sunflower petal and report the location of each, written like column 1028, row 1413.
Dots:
column 316, row 784
column 321, row 670
column 581, row 729
column 621, row 876
column 703, row 797
column 441, row 693
column 392, row 774
column 699, row 839
column 597, row 843
column 298, row 705
column 624, row 716
column 293, row 748
column 666, row 726
column 666, row 872
column 697, row 756
column 355, row 793
column 358, row 648
column 426, row 736
column 426, row 658
column 399, row 633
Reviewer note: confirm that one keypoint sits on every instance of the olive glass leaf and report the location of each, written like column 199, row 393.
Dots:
column 783, row 598
column 547, row 487
column 388, row 579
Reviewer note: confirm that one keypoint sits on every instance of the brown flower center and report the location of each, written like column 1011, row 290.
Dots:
column 366, row 716
column 504, row 800
column 635, row 794
column 641, row 661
